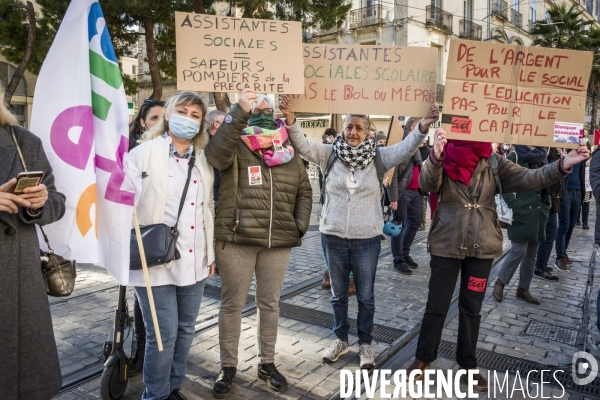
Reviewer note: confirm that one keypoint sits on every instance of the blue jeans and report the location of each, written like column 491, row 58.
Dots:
column 176, row 310
column 569, row 210
column 545, row 247
column 360, row 257
column 410, row 213
column 351, row 276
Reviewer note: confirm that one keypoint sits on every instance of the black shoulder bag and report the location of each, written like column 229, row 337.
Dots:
column 159, row 239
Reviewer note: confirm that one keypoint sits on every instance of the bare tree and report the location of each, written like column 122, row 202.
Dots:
column 18, row 75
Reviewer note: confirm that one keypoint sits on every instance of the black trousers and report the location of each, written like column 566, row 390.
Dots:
column 474, row 273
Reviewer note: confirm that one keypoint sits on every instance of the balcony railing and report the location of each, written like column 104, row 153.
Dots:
column 470, row 30
column 500, row 9
column 516, row 18
column 372, row 15
column 439, row 18
column 320, row 32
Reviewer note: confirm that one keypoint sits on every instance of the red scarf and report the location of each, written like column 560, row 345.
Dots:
column 461, row 158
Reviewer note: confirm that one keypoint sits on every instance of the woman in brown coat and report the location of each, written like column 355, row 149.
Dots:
column 29, row 367
column 465, row 236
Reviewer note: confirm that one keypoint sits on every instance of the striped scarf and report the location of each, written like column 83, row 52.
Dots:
column 261, row 141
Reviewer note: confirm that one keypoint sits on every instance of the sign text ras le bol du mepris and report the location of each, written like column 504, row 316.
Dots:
column 227, row 54
column 368, row 79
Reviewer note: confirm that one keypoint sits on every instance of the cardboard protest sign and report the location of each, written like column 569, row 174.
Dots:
column 227, row 54
column 515, row 94
column 383, row 80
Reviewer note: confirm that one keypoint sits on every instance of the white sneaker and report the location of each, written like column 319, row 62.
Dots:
column 337, row 349
column 367, row 359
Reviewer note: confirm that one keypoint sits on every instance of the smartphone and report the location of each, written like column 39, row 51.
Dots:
column 27, row 179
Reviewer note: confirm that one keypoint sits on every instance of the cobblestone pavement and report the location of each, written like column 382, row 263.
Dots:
column 82, row 323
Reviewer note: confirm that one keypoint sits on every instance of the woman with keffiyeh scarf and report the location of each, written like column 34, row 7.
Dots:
column 352, row 220
column 531, row 210
column 465, row 237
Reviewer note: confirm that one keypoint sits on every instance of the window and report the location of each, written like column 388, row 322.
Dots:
column 468, row 9
column 134, row 69
column 6, row 73
column 533, row 10
column 516, row 5
column 436, row 3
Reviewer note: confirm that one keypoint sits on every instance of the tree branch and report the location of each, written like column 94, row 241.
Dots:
column 20, row 71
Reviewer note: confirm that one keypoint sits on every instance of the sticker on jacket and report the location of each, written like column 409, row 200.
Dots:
column 277, row 146
column 255, row 175
column 228, row 119
column 477, row 284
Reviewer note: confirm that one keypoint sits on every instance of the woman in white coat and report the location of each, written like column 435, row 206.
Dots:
column 163, row 160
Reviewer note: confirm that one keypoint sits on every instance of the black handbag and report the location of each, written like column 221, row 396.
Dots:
column 159, row 240
column 59, row 273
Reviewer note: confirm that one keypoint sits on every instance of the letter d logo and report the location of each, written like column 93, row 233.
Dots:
column 581, row 367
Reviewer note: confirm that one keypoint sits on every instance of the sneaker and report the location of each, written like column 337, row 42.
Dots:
column 421, row 227
column 561, row 265
column 367, row 359
column 224, row 382
column 481, row 384
column 351, row 287
column 545, row 274
column 410, row 262
column 176, row 395
column 402, row 268
column 578, row 223
column 338, row 348
column 585, row 226
column 268, row 373
column 568, row 260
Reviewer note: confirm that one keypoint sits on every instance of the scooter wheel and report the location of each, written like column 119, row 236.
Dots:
column 111, row 387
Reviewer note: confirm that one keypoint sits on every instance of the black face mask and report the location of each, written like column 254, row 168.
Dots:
column 381, row 145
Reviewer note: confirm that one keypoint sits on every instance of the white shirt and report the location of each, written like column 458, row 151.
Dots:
column 159, row 202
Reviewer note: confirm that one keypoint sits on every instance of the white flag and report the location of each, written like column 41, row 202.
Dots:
column 80, row 113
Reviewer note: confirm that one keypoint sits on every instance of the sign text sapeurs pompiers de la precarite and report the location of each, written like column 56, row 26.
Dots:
column 227, row 54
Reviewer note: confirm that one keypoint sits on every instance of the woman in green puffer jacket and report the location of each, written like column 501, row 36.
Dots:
column 265, row 201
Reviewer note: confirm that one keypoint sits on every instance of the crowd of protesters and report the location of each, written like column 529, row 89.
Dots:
column 247, row 201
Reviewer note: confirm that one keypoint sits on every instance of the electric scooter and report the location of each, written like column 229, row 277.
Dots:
column 115, row 374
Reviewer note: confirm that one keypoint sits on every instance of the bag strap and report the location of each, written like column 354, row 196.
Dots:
column 14, row 137
column 185, row 188
column 378, row 167
column 494, row 163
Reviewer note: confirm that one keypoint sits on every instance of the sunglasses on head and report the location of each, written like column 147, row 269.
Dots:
column 152, row 103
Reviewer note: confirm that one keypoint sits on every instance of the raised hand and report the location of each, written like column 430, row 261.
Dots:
column 575, row 156
column 246, row 98
column 434, row 115
column 439, row 141
column 286, row 108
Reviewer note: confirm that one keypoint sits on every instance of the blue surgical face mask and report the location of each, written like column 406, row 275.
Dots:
column 183, row 127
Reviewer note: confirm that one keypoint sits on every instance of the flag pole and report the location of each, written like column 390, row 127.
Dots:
column 138, row 235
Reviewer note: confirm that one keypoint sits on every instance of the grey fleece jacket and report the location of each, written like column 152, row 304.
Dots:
column 356, row 216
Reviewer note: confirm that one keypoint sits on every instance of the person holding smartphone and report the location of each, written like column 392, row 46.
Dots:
column 29, row 349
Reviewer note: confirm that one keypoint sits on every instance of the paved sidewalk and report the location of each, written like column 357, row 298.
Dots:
column 82, row 324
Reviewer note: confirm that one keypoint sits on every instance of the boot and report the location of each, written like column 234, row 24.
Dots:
column 498, row 292
column 137, row 362
column 270, row 374
column 224, row 382
column 416, row 364
column 326, row 282
column 526, row 295
column 351, row 287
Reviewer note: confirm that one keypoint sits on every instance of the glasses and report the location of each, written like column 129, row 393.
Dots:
column 266, row 111
column 152, row 103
